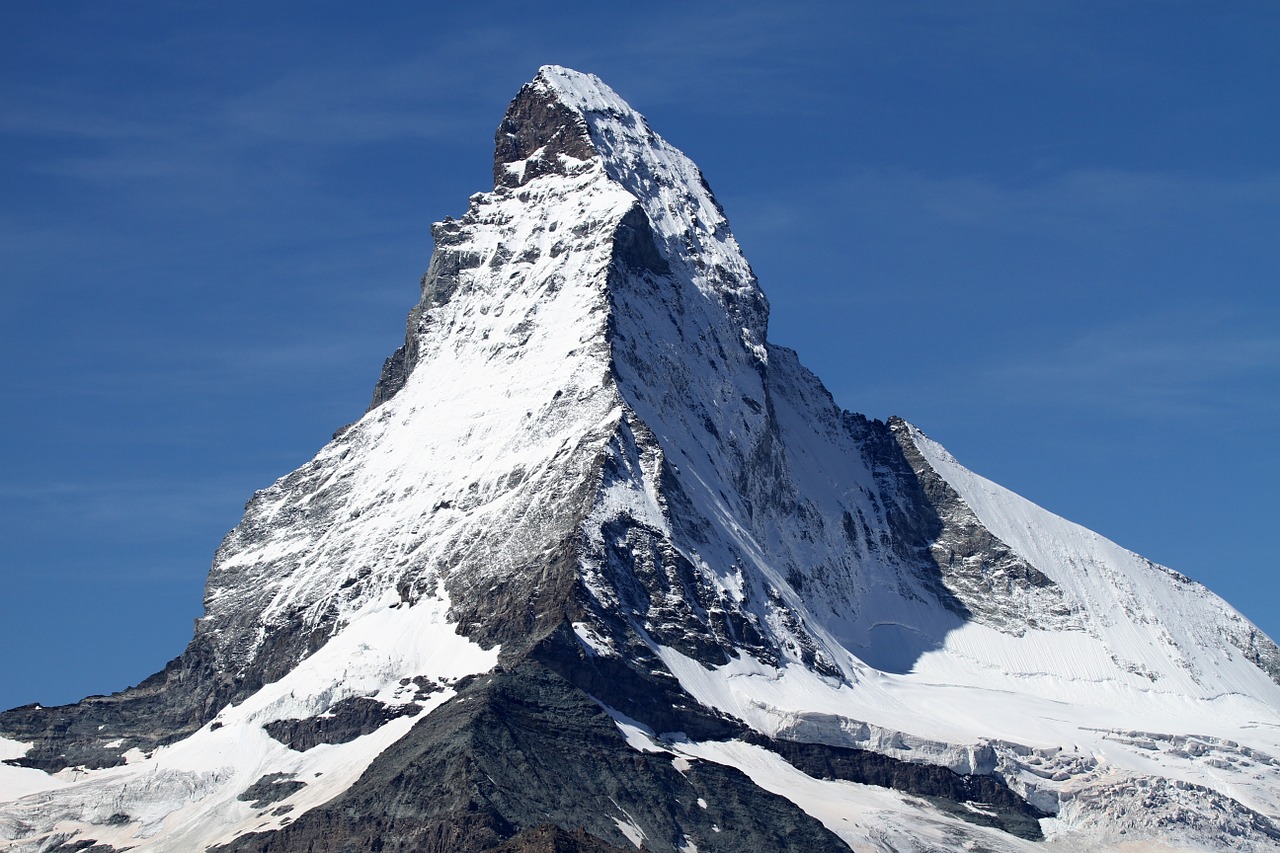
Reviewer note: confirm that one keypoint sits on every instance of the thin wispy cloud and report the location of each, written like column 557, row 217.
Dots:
column 1080, row 201
column 223, row 370
column 1154, row 367
column 419, row 98
column 100, row 505
column 228, row 145
column 1090, row 200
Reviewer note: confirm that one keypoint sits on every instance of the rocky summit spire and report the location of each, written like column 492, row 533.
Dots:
column 541, row 134
column 602, row 569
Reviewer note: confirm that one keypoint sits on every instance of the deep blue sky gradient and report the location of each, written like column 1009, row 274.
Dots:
column 1044, row 232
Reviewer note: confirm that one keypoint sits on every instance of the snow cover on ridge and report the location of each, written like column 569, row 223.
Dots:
column 1111, row 699
column 1169, row 627
column 691, row 226
column 509, row 378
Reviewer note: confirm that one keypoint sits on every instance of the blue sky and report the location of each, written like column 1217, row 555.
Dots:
column 1043, row 232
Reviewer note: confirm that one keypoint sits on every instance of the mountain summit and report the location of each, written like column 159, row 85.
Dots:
column 601, row 569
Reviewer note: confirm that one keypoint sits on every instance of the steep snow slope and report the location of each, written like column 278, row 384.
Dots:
column 1165, row 628
column 588, row 474
column 508, row 404
column 782, row 512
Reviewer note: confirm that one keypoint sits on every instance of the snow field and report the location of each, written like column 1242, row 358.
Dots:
column 184, row 797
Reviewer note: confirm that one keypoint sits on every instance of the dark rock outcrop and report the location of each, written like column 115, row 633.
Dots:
column 534, row 133
column 553, row 839
column 269, row 789
column 517, row 750
column 344, row 722
column 1000, row 807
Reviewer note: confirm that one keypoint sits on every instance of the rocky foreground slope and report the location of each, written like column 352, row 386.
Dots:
column 602, row 569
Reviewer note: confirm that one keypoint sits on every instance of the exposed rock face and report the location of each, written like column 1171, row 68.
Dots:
column 99, row 730
column 525, row 748
column 343, row 723
column 538, row 131
column 992, row 803
column 553, row 839
column 602, row 569
column 994, row 584
column 271, row 788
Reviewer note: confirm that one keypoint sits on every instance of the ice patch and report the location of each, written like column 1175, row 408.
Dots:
column 596, row 645
column 630, row 828
column 637, row 735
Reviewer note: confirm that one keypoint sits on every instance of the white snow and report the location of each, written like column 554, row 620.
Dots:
column 684, row 215
column 1143, row 649
column 17, row 782
column 509, row 398
column 595, row 644
column 1159, row 623
column 637, row 735
column 868, row 818
column 630, row 828
column 184, row 797
column 1055, row 711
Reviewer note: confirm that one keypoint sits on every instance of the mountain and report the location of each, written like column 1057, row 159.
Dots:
column 603, row 569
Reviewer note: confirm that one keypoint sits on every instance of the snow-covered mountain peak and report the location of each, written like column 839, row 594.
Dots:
column 564, row 117
column 599, row 559
column 584, row 92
